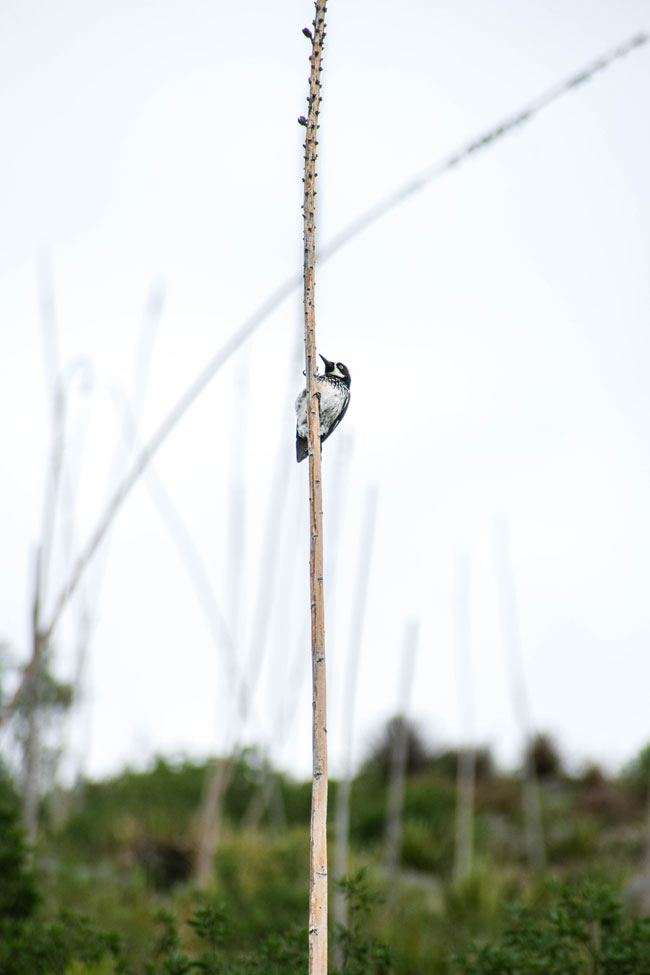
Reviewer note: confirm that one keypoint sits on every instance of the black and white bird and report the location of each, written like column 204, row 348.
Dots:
column 333, row 388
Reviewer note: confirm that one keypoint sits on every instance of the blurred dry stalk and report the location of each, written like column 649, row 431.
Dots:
column 398, row 760
column 353, row 654
column 466, row 772
column 318, row 841
column 515, row 667
column 645, row 895
column 218, row 779
column 58, row 382
column 355, row 227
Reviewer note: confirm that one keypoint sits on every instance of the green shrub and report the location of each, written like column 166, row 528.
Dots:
column 284, row 952
column 264, row 880
column 425, row 848
column 583, row 932
column 37, row 947
column 18, row 896
column 361, row 953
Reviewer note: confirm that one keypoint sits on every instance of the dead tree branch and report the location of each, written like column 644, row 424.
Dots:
column 318, row 842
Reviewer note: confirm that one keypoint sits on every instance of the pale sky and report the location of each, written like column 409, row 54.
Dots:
column 496, row 326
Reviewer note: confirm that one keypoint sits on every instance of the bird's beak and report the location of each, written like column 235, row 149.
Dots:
column 326, row 361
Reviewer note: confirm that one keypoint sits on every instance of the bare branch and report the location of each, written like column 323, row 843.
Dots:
column 318, row 844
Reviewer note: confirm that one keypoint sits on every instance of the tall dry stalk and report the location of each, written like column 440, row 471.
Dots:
column 466, row 786
column 532, row 803
column 645, row 876
column 318, row 842
column 359, row 600
column 399, row 759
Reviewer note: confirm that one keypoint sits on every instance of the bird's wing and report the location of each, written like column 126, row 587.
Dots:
column 338, row 419
column 301, row 414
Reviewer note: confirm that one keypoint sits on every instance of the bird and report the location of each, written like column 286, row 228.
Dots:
column 333, row 389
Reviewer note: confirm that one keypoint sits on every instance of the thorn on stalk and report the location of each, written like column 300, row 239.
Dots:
column 306, row 31
column 302, row 121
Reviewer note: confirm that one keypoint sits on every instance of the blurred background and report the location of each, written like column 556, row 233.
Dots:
column 490, row 481
column 487, row 528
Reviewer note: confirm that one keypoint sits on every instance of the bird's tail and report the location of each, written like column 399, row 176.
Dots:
column 301, row 448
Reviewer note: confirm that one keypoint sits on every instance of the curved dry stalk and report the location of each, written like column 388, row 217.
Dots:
column 481, row 142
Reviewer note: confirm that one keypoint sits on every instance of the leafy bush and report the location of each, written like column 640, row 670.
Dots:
column 29, row 945
column 284, row 952
column 583, row 932
column 18, row 896
column 265, row 883
column 445, row 764
column 426, row 846
column 35, row 946
column 382, row 751
column 361, row 954
column 636, row 773
column 544, row 757
column 118, row 813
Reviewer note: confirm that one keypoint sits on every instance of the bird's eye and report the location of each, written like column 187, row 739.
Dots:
column 340, row 366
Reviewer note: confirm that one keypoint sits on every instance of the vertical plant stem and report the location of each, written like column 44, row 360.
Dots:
column 31, row 744
column 466, row 775
column 645, row 891
column 218, row 780
column 515, row 665
column 399, row 759
column 353, row 655
column 318, row 842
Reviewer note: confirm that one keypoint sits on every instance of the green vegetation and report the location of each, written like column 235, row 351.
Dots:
column 18, row 895
column 581, row 930
column 108, row 889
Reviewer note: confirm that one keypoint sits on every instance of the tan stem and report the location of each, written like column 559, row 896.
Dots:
column 318, row 842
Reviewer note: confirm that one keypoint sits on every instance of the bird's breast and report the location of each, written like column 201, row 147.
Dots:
column 333, row 398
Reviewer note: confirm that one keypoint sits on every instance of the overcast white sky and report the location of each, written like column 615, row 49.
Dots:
column 496, row 327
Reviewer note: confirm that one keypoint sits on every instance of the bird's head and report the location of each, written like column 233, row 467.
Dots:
column 337, row 369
